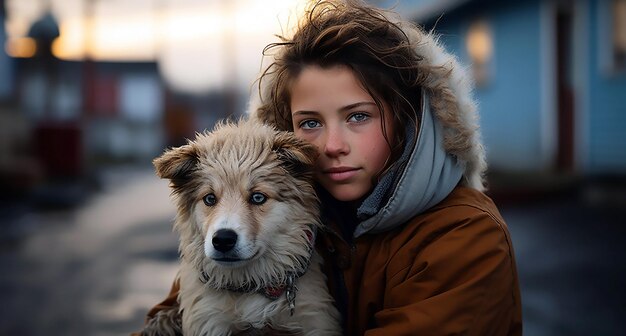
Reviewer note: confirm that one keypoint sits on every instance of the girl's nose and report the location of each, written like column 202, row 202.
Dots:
column 336, row 144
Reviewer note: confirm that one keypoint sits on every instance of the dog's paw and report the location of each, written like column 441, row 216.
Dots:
column 167, row 322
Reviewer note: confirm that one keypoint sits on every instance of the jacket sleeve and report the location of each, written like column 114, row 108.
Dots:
column 461, row 280
column 168, row 304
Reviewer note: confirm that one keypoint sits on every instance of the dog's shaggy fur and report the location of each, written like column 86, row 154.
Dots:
column 247, row 217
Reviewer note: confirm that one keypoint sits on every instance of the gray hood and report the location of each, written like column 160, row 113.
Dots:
column 428, row 177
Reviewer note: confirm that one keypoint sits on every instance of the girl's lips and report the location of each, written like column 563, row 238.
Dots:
column 340, row 173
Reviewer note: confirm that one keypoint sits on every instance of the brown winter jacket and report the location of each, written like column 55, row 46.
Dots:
column 449, row 271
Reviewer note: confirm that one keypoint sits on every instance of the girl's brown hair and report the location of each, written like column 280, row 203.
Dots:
column 358, row 36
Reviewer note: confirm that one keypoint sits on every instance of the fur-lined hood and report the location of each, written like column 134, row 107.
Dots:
column 447, row 89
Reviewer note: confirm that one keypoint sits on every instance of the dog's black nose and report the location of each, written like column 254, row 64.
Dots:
column 224, row 240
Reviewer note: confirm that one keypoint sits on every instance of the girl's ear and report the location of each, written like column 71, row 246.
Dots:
column 177, row 164
column 297, row 156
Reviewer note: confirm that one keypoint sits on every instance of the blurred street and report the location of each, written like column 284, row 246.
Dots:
column 571, row 260
column 92, row 270
column 96, row 269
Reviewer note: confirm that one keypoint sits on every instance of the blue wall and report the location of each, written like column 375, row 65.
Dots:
column 607, row 104
column 517, row 106
column 510, row 103
column 6, row 64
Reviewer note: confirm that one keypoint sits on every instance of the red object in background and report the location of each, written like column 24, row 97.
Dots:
column 59, row 148
column 565, row 90
column 100, row 92
column 102, row 97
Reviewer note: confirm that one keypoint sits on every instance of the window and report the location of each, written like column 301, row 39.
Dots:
column 619, row 34
column 479, row 44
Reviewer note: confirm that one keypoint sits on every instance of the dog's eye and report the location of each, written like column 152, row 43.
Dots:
column 210, row 199
column 257, row 198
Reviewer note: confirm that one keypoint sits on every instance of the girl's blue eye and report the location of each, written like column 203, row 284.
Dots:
column 257, row 198
column 309, row 124
column 358, row 117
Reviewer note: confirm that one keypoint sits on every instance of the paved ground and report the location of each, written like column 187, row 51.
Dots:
column 92, row 270
column 95, row 269
column 572, row 266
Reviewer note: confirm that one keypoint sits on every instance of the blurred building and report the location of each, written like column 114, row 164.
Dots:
column 550, row 78
column 83, row 111
column 64, row 118
column 17, row 167
column 6, row 68
column 88, row 83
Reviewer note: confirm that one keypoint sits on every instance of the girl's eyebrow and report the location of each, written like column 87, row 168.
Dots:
column 343, row 109
column 304, row 112
column 355, row 105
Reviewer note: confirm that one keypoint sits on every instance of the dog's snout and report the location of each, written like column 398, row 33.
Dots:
column 224, row 240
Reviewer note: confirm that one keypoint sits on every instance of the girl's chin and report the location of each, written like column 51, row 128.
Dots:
column 347, row 193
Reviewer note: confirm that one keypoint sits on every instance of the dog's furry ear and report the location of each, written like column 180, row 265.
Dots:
column 297, row 156
column 177, row 164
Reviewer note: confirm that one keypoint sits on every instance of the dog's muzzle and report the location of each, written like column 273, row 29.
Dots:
column 226, row 252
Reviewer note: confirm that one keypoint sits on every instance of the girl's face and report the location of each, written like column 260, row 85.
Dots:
column 331, row 110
